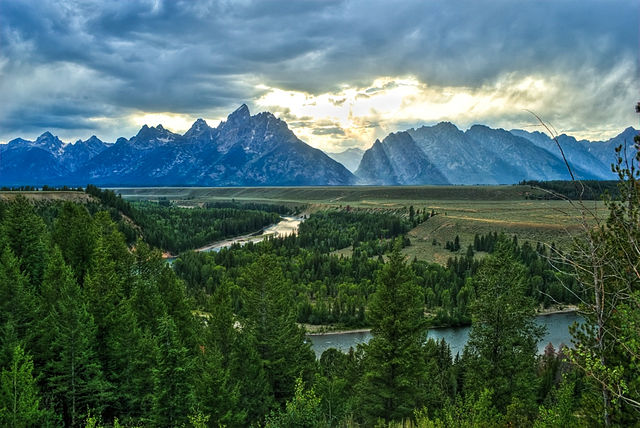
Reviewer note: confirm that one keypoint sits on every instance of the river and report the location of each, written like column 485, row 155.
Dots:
column 557, row 333
column 286, row 226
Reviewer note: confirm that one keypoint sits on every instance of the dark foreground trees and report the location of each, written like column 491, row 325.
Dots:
column 501, row 353
column 394, row 380
column 606, row 262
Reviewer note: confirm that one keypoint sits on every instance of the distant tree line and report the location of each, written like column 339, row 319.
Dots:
column 45, row 188
column 177, row 229
column 583, row 190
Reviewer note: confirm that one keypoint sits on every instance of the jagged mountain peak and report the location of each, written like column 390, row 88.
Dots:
column 154, row 135
column 240, row 114
column 627, row 135
column 262, row 150
column 198, row 128
column 199, row 123
column 446, row 126
column 18, row 141
column 50, row 143
column 397, row 136
column 93, row 140
column 45, row 135
column 435, row 131
column 478, row 128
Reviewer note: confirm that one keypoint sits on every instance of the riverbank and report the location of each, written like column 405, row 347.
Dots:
column 556, row 309
column 323, row 330
column 286, row 226
column 556, row 326
column 328, row 329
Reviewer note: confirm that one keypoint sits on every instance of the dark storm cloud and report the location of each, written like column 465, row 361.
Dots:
column 209, row 56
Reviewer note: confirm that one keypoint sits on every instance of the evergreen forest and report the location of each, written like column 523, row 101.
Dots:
column 98, row 329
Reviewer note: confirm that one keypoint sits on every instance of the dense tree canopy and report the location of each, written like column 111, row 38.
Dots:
column 96, row 328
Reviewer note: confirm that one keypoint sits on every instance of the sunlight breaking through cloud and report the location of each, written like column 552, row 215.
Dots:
column 356, row 116
column 359, row 115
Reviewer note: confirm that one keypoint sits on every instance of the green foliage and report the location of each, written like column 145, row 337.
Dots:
column 476, row 410
column 302, row 411
column 335, row 382
column 116, row 335
column 17, row 306
column 561, row 411
column 25, row 233
column 269, row 316
column 332, row 230
column 177, row 229
column 217, row 390
column 19, row 397
column 559, row 189
column 172, row 392
column 501, row 351
column 394, row 379
column 73, row 375
column 73, row 232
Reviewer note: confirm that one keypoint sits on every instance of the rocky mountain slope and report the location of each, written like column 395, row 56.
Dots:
column 350, row 158
column 443, row 154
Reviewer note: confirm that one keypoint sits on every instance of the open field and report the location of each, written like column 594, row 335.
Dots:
column 461, row 210
column 357, row 196
column 533, row 221
column 57, row 195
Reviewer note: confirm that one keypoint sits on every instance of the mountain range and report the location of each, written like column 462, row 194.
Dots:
column 443, row 154
column 261, row 150
column 244, row 150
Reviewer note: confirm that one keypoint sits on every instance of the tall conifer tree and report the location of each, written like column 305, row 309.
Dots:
column 394, row 380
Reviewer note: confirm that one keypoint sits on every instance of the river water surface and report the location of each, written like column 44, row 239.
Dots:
column 557, row 333
column 286, row 226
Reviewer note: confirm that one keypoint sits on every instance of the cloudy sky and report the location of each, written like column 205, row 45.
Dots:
column 341, row 73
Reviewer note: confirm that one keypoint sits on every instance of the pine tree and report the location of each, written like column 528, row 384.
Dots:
column 74, row 233
column 394, row 380
column 270, row 317
column 72, row 372
column 19, row 398
column 146, row 298
column 27, row 237
column 128, row 361
column 17, row 306
column 172, row 378
column 217, row 391
column 502, row 347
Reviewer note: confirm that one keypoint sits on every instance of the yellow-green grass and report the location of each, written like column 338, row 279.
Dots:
column 534, row 221
column 72, row 196
column 357, row 196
